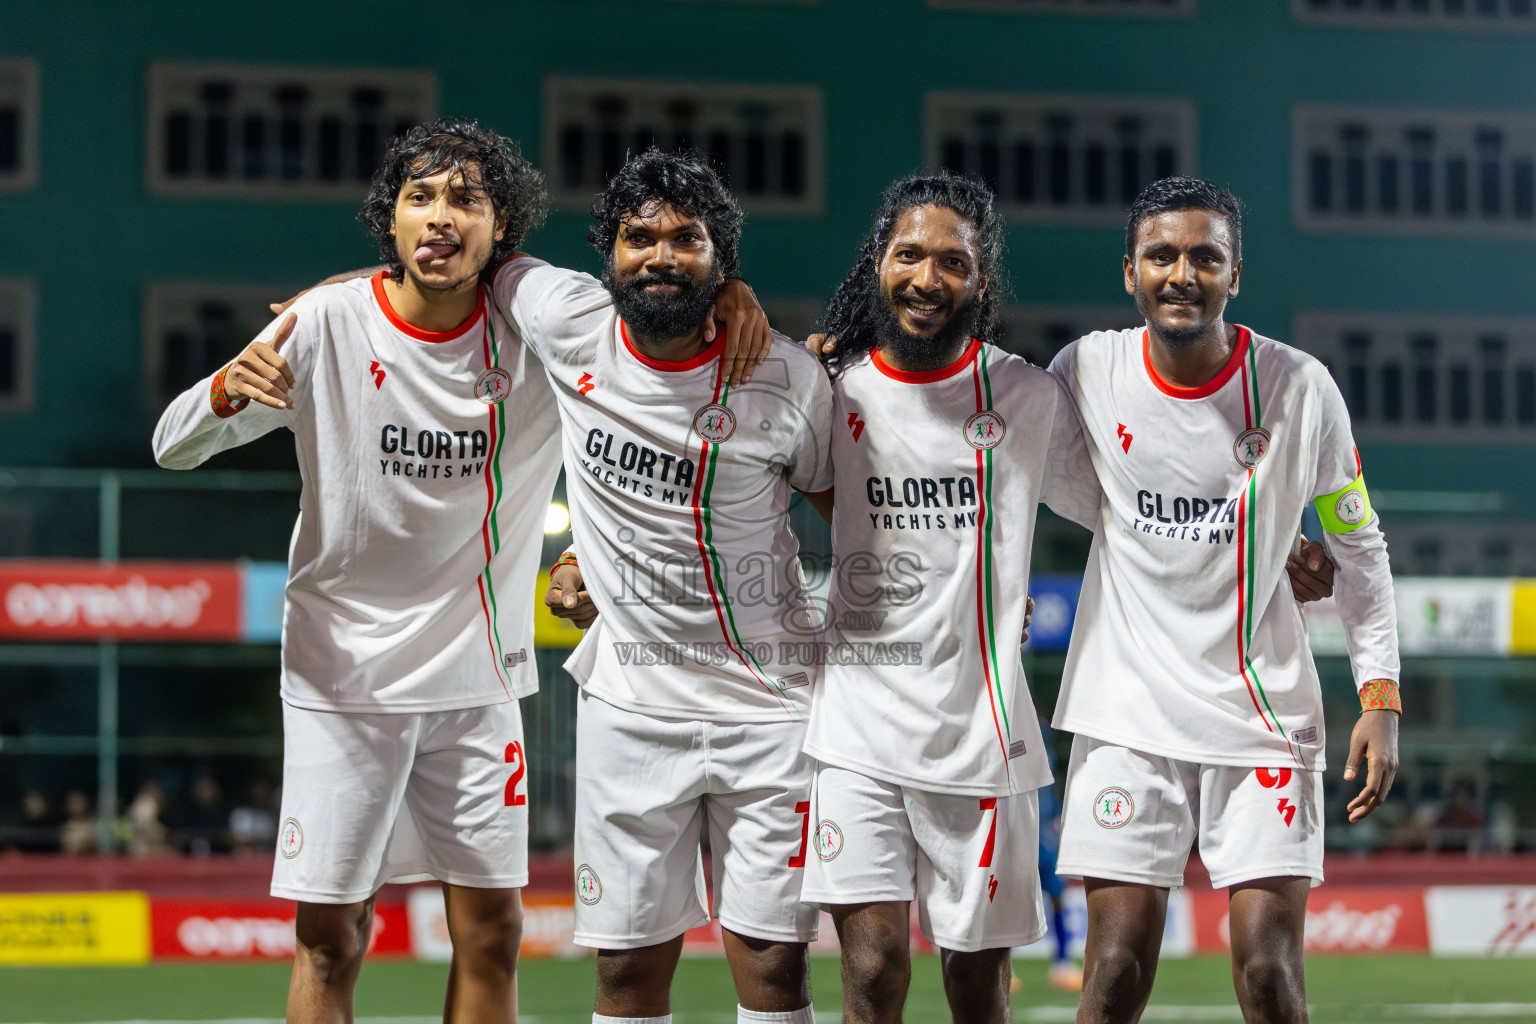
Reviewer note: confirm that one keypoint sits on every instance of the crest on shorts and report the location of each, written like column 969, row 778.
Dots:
column 1113, row 807
column 829, row 840
column 984, row 430
column 714, row 423
column 290, row 839
column 1251, row 446
column 589, row 889
column 493, row 385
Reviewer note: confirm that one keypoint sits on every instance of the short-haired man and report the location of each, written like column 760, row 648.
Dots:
column 426, row 440
column 690, row 716
column 1209, row 442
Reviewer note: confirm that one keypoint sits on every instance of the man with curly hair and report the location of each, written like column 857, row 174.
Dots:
column 693, row 702
column 426, row 440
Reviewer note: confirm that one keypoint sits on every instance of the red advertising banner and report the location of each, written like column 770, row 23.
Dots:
column 252, row 929
column 1339, row 920
column 129, row 601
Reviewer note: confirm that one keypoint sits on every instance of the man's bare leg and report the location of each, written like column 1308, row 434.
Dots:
column 1269, row 917
column 1125, row 936
column 330, row 940
column 771, row 977
column 877, row 961
column 637, row 982
column 486, row 928
column 976, row 984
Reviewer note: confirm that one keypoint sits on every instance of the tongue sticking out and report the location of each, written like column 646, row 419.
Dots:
column 434, row 252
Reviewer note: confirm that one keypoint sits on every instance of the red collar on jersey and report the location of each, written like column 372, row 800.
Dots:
column 416, row 332
column 712, row 350
column 1210, row 387
column 925, row 376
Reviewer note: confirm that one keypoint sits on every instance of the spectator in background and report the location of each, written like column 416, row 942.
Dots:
column 146, row 834
column 206, row 824
column 77, row 837
column 37, row 827
column 253, row 825
column 1460, row 823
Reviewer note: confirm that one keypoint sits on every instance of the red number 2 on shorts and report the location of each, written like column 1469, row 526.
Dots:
column 989, row 803
column 515, row 756
column 803, row 808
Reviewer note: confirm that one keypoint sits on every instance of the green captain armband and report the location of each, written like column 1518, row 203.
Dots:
column 1346, row 510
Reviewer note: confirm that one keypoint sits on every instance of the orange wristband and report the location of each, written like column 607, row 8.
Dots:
column 1380, row 695
column 223, row 408
column 565, row 559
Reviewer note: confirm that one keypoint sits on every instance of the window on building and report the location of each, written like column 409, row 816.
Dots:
column 1415, row 172
column 270, row 133
column 18, row 124
column 193, row 329
column 17, row 344
column 1130, row 7
column 1062, row 159
column 764, row 140
column 1039, row 332
column 1497, row 15
column 1429, row 379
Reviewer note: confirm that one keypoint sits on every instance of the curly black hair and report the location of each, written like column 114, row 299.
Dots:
column 484, row 159
column 852, row 314
column 1170, row 195
column 683, row 180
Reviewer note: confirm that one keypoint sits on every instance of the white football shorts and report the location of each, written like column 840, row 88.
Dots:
column 369, row 799
column 647, row 787
column 1129, row 816
column 970, row 862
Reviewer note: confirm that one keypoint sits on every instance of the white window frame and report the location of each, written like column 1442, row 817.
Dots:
column 1024, row 110
column 18, row 295
column 1518, row 135
column 557, row 89
column 163, row 95
column 1458, row 340
column 1436, row 18
column 24, row 72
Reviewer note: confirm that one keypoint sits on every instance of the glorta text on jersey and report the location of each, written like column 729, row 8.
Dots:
column 412, row 448
column 1155, row 519
column 635, row 465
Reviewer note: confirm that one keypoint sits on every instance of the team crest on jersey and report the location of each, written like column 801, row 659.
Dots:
column 1113, row 807
column 290, row 839
column 589, row 889
column 714, row 423
column 829, row 840
column 1350, row 508
column 493, row 385
column 1251, row 446
column 984, row 430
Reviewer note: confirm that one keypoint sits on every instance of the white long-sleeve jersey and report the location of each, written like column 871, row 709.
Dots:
column 679, row 488
column 938, row 478
column 1188, row 642
column 427, row 462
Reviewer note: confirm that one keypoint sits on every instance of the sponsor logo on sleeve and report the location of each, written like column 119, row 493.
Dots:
column 1350, row 508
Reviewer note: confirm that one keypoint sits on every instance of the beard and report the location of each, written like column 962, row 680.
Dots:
column 924, row 352
column 660, row 316
column 1172, row 337
column 477, row 260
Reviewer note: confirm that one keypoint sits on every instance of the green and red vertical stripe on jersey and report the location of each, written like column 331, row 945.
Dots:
column 1253, row 415
column 490, row 532
column 985, row 618
column 703, row 526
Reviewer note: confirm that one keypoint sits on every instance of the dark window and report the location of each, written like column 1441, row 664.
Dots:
column 1525, row 395
column 1424, row 382
column 1459, row 377
column 1320, row 177
column 1024, row 172
column 1387, row 174
column 10, row 360
column 1493, row 379
column 1391, row 392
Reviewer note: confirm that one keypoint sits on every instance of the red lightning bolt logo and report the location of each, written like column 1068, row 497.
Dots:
column 584, row 384
column 991, row 888
column 855, row 424
column 1287, row 811
column 378, row 374
column 1124, row 436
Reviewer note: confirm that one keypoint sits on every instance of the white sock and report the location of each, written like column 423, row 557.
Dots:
column 804, row 1015
column 598, row 1018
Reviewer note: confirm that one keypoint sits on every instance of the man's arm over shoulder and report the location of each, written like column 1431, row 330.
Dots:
column 543, row 301
column 219, row 413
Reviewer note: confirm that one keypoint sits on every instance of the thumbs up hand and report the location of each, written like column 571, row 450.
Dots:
column 261, row 374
